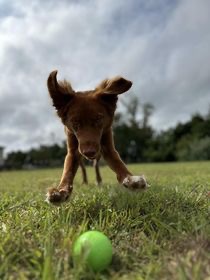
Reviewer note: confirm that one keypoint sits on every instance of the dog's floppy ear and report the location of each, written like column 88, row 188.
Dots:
column 114, row 86
column 60, row 92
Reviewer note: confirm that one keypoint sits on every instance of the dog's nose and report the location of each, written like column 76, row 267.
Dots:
column 89, row 153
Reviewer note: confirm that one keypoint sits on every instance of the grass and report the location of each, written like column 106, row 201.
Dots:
column 163, row 233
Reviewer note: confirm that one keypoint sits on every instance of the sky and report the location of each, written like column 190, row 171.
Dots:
column 161, row 45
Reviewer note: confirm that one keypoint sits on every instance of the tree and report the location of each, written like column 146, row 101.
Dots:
column 133, row 134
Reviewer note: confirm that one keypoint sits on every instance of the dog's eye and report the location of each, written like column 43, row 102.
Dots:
column 98, row 122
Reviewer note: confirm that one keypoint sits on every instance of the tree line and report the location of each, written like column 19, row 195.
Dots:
column 135, row 139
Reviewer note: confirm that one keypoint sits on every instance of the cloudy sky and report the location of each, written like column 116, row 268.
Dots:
column 161, row 45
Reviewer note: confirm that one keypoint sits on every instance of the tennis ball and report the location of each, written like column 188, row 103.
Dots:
column 94, row 249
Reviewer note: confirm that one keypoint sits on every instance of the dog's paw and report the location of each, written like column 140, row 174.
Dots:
column 57, row 196
column 135, row 183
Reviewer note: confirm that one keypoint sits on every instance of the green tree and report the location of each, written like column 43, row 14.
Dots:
column 133, row 133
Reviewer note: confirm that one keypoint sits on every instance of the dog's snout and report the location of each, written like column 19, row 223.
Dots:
column 89, row 152
column 89, row 148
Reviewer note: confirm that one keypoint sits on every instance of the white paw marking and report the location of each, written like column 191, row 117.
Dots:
column 48, row 196
column 135, row 182
column 57, row 196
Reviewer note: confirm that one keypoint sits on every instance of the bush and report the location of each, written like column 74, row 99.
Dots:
column 198, row 149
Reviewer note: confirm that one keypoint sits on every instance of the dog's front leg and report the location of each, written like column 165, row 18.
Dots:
column 113, row 159
column 62, row 193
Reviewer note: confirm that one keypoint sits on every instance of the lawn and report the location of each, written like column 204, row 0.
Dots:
column 163, row 233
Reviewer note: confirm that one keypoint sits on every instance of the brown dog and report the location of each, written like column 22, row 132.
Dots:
column 87, row 117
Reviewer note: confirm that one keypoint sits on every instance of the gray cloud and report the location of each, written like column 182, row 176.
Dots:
column 161, row 45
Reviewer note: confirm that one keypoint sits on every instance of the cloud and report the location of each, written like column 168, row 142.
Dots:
column 161, row 45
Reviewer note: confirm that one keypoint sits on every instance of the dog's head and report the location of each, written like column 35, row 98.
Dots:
column 87, row 114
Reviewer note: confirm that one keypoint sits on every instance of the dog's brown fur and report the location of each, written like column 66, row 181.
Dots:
column 87, row 117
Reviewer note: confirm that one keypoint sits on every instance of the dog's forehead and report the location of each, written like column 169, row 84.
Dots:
column 86, row 106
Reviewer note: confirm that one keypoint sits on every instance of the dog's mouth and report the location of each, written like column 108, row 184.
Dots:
column 90, row 157
column 89, row 154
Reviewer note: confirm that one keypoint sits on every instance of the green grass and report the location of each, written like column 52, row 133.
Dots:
column 163, row 233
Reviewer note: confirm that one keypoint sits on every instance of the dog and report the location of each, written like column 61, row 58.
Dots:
column 87, row 118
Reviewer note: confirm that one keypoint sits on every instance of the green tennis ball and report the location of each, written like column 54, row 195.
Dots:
column 94, row 249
